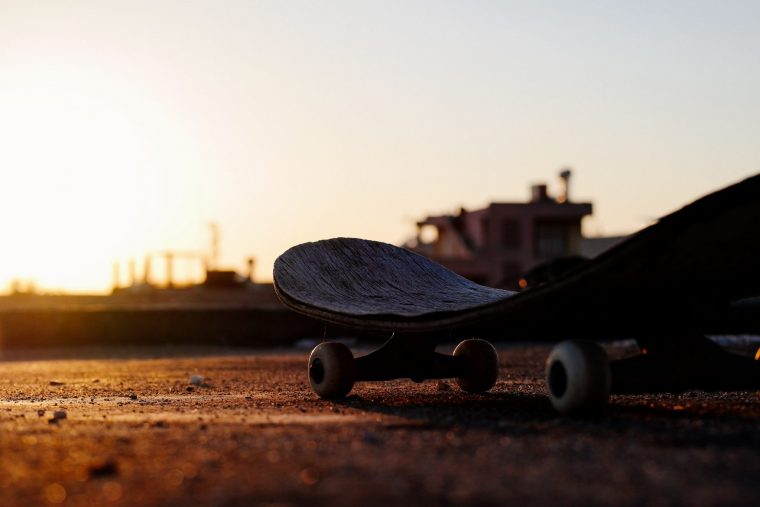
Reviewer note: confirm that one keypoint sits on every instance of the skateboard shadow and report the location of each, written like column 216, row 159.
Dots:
column 529, row 414
column 446, row 409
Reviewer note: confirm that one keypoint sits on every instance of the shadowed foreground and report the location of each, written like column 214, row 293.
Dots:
column 138, row 432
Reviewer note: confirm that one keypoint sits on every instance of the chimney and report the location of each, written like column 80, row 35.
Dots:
column 564, row 193
column 539, row 193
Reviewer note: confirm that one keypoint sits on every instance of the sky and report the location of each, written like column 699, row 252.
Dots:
column 128, row 127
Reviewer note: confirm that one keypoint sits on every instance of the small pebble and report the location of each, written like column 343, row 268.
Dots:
column 58, row 415
column 196, row 380
column 57, row 383
column 105, row 469
column 132, row 396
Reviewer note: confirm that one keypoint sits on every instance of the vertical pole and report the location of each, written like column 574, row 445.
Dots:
column 116, row 273
column 132, row 273
column 214, row 259
column 146, row 270
column 169, row 274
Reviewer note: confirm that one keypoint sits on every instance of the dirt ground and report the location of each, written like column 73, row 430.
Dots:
column 131, row 428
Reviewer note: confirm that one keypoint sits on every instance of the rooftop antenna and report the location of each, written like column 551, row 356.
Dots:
column 564, row 194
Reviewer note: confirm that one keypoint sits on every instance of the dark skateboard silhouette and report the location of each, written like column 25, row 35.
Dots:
column 694, row 272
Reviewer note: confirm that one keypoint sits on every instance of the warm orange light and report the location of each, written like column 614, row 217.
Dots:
column 757, row 354
column 523, row 283
column 84, row 184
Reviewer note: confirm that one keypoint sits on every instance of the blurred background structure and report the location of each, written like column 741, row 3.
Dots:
column 498, row 245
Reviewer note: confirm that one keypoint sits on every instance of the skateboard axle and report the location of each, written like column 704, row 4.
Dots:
column 408, row 357
column 333, row 370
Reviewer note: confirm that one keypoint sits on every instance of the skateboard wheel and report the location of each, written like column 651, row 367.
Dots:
column 578, row 377
column 332, row 371
column 482, row 365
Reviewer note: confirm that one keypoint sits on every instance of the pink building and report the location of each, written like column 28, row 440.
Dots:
column 494, row 245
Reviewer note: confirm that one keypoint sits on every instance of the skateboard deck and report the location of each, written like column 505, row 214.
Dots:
column 691, row 273
column 682, row 272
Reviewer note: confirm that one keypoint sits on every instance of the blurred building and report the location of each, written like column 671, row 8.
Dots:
column 495, row 245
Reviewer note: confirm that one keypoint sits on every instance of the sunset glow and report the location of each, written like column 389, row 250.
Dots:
column 127, row 128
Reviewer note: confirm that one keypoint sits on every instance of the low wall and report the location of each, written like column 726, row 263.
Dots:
column 231, row 327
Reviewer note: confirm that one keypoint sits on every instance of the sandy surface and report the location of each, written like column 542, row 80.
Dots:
column 137, row 432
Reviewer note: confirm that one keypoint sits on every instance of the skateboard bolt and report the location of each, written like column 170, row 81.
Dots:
column 317, row 371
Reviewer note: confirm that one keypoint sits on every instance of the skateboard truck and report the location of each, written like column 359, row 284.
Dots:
column 579, row 375
column 333, row 370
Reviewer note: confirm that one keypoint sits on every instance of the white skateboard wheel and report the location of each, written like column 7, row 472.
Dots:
column 578, row 377
column 332, row 371
column 483, row 365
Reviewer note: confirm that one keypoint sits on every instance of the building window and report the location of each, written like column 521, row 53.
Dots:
column 551, row 241
column 511, row 269
column 510, row 234
column 485, row 229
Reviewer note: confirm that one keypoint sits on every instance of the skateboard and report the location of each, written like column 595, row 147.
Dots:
column 693, row 273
